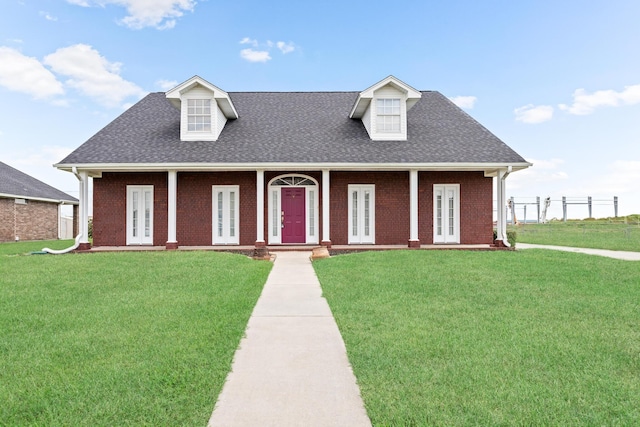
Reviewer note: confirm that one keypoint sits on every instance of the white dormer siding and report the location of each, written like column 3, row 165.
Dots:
column 388, row 96
column 204, row 109
column 383, row 109
column 215, row 117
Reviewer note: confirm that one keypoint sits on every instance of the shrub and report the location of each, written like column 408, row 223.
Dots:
column 512, row 237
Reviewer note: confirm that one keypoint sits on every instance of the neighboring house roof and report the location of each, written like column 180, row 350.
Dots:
column 19, row 185
column 310, row 128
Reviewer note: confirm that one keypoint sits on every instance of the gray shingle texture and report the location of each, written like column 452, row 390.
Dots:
column 17, row 183
column 294, row 127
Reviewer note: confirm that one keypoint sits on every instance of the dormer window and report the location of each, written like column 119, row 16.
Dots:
column 199, row 115
column 383, row 109
column 204, row 109
column 388, row 111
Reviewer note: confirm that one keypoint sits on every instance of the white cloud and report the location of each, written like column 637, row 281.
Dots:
column 26, row 74
column 285, row 47
column 92, row 75
column 532, row 114
column 585, row 103
column 542, row 172
column 247, row 40
column 464, row 101
column 255, row 55
column 261, row 52
column 47, row 16
column 160, row 14
column 620, row 177
column 166, row 84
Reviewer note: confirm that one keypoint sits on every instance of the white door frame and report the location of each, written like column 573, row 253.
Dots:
column 139, row 215
column 274, row 206
column 225, row 213
column 446, row 213
column 362, row 214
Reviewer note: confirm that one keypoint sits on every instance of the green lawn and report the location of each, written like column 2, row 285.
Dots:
column 490, row 338
column 621, row 234
column 119, row 338
column 21, row 248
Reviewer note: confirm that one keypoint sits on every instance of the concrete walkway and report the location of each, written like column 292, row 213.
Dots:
column 291, row 369
column 628, row 256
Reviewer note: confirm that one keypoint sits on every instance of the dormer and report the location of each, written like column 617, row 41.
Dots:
column 383, row 109
column 204, row 109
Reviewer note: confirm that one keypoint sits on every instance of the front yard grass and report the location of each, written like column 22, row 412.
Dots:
column 120, row 338
column 22, row 248
column 490, row 338
column 621, row 234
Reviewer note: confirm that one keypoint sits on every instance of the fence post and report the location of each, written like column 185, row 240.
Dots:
column 615, row 205
column 564, row 208
column 524, row 220
column 513, row 211
column 538, row 204
column 590, row 206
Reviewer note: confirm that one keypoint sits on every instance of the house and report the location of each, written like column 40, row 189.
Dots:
column 29, row 208
column 197, row 166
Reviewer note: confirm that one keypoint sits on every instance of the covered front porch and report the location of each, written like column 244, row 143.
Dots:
column 344, row 209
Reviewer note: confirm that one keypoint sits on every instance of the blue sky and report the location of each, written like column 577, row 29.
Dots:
column 558, row 81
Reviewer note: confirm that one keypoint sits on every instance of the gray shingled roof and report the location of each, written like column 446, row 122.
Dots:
column 300, row 127
column 16, row 183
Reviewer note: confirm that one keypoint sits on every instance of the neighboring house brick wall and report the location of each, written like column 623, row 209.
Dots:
column 6, row 220
column 34, row 220
column 110, row 210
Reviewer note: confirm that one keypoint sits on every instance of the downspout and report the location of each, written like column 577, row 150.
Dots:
column 503, row 225
column 77, row 240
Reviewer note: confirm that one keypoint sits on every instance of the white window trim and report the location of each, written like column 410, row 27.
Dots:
column 456, row 219
column 274, row 217
column 225, row 240
column 360, row 238
column 185, row 133
column 383, row 115
column 129, row 213
column 379, row 135
column 195, row 114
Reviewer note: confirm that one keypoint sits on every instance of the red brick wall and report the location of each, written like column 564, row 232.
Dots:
column 391, row 210
column 110, row 210
column 476, row 205
column 194, row 216
column 34, row 220
column 194, row 205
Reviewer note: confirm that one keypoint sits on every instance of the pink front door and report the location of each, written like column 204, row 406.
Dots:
column 293, row 215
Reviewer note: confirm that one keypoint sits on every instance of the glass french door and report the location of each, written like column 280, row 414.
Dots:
column 225, row 214
column 362, row 214
column 446, row 213
column 139, row 214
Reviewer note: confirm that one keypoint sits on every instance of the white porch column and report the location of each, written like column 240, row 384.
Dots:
column 326, row 211
column 260, row 208
column 414, row 241
column 501, row 216
column 83, row 226
column 172, row 203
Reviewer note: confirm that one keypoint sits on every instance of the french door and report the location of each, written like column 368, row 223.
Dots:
column 446, row 213
column 225, row 214
column 139, row 214
column 361, row 214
